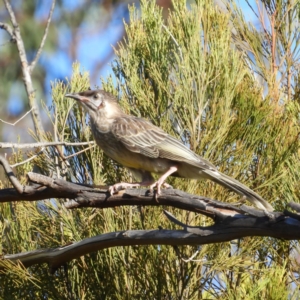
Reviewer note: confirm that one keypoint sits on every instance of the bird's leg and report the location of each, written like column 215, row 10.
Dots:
column 161, row 180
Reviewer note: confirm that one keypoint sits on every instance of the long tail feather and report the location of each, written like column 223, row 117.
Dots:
column 239, row 188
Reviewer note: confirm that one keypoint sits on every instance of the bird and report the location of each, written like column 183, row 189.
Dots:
column 146, row 149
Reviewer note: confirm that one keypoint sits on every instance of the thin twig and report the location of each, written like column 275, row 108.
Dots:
column 179, row 254
column 192, row 257
column 74, row 154
column 38, row 54
column 13, row 124
column 58, row 149
column 42, row 144
column 29, row 159
column 10, row 174
column 253, row 10
column 174, row 40
column 9, row 30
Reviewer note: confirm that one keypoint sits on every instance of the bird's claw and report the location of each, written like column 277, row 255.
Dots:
column 111, row 190
column 158, row 190
column 116, row 187
column 158, row 185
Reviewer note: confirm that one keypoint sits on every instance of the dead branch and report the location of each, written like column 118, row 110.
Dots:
column 9, row 30
column 13, row 124
column 230, row 221
column 44, row 187
column 229, row 229
column 43, row 144
column 20, row 189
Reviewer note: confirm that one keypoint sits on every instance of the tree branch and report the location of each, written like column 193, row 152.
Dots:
column 44, row 144
column 229, row 229
column 13, row 124
column 25, row 69
column 87, row 196
column 21, row 190
column 38, row 54
column 230, row 222
column 9, row 30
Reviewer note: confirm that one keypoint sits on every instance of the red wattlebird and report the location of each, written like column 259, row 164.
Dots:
column 144, row 148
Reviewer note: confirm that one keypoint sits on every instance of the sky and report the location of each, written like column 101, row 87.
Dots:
column 91, row 47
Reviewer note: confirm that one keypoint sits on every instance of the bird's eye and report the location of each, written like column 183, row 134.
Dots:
column 96, row 96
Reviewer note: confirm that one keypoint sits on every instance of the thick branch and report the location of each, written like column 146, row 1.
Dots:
column 231, row 228
column 231, row 222
column 86, row 196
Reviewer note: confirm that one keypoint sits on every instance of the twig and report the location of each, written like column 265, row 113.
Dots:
column 174, row 40
column 13, row 124
column 9, row 30
column 74, row 154
column 13, row 179
column 192, row 257
column 43, row 144
column 38, row 54
column 253, row 10
column 29, row 159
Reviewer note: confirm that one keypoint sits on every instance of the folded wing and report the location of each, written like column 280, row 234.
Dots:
column 140, row 136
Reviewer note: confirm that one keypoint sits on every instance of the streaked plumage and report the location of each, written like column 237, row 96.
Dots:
column 145, row 148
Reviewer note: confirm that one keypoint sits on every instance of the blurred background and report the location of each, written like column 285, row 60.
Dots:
column 86, row 31
column 83, row 31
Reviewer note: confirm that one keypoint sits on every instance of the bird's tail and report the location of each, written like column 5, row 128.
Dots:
column 239, row 188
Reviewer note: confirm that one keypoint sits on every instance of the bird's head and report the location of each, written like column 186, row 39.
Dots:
column 98, row 103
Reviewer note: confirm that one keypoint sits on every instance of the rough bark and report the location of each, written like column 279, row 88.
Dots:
column 230, row 221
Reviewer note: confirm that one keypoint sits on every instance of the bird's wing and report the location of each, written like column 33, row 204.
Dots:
column 139, row 135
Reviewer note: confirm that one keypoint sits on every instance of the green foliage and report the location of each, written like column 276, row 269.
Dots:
column 186, row 75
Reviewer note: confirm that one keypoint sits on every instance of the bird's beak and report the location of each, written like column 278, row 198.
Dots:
column 76, row 97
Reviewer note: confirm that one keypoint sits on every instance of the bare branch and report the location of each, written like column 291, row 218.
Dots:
column 28, row 160
column 55, row 257
column 87, row 196
column 44, row 144
column 75, row 154
column 231, row 222
column 38, row 54
column 9, row 30
column 233, row 228
column 25, row 70
column 13, row 124
column 13, row 179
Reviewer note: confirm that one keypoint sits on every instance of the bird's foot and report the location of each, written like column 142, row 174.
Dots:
column 121, row 186
column 161, row 181
column 167, row 186
column 158, row 185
